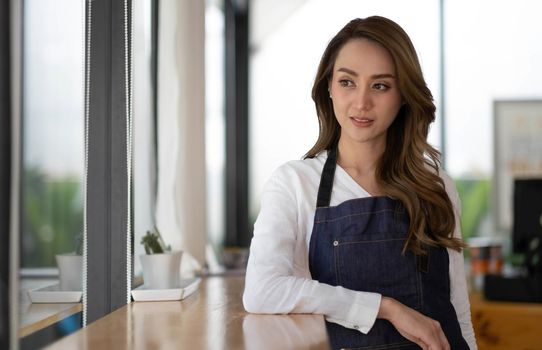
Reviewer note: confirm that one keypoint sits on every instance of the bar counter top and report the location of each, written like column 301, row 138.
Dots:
column 211, row 318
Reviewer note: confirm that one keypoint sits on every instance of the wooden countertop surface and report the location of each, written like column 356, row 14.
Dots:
column 506, row 325
column 212, row 318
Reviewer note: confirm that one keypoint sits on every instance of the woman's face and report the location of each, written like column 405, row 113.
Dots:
column 365, row 95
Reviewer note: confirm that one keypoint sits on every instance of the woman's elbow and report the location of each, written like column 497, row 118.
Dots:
column 258, row 297
column 251, row 302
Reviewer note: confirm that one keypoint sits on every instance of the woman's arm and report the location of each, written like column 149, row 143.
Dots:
column 271, row 286
column 459, row 294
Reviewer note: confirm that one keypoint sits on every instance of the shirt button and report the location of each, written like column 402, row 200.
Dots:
column 335, row 243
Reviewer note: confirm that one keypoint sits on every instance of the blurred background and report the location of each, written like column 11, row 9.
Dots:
column 473, row 54
column 259, row 58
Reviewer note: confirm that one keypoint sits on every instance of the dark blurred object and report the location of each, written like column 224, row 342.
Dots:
column 527, row 241
column 527, row 227
column 235, row 257
column 518, row 289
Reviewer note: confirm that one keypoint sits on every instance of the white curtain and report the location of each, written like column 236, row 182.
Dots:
column 180, row 210
column 144, row 160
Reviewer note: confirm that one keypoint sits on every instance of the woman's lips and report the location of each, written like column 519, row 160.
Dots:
column 361, row 122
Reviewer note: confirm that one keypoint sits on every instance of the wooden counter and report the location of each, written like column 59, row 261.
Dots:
column 212, row 318
column 505, row 325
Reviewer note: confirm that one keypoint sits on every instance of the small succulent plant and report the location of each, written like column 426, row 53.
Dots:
column 153, row 242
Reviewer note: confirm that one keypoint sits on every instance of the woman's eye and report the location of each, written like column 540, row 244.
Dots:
column 380, row 86
column 346, row 83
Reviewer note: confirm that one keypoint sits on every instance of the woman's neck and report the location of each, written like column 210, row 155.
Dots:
column 359, row 158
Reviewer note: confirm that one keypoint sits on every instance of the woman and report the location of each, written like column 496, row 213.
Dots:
column 365, row 229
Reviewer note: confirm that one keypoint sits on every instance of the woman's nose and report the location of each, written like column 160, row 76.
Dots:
column 363, row 99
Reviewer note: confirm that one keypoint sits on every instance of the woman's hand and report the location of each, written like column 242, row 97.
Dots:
column 413, row 325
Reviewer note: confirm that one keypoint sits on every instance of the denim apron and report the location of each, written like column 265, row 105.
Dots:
column 358, row 245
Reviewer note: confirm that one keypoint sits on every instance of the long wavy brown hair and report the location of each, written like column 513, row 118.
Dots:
column 408, row 169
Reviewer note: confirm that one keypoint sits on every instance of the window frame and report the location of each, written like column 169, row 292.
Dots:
column 238, row 230
column 107, row 204
column 5, row 174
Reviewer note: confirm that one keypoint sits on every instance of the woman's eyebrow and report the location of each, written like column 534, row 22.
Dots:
column 374, row 76
column 381, row 76
column 347, row 70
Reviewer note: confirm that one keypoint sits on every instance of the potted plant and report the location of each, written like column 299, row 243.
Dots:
column 161, row 266
column 70, row 267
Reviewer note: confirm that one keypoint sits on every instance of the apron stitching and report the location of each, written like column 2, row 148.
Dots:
column 373, row 241
column 358, row 214
column 337, row 277
column 420, row 288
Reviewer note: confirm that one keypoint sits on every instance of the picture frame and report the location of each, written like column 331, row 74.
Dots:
column 517, row 152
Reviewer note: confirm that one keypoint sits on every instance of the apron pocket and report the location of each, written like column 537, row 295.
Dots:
column 378, row 266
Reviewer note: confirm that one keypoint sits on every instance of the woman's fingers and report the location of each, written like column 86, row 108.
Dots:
column 415, row 340
column 444, row 341
column 433, row 335
column 440, row 334
column 413, row 325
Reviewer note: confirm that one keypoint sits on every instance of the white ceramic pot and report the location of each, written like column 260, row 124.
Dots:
column 70, row 270
column 161, row 271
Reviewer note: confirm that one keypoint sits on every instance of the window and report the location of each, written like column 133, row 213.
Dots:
column 488, row 58
column 52, row 159
column 53, row 130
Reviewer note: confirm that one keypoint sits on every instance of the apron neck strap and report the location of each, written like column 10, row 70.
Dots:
column 326, row 180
